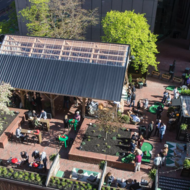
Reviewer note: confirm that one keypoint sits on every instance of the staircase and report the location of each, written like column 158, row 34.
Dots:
column 168, row 183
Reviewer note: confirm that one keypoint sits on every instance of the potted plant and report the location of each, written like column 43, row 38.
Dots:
column 186, row 168
column 5, row 172
column 152, row 174
column 183, row 127
column 125, row 119
column 15, row 175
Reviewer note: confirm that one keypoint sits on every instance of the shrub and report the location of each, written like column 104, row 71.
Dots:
column 5, row 172
column 119, row 114
column 186, row 164
column 126, row 140
column 97, row 145
column 77, row 186
column 118, row 135
column 126, row 118
column 10, row 174
column 114, row 138
column 4, row 118
column 130, row 78
column 93, row 131
column 106, row 143
column 63, row 184
column 76, row 182
column 93, row 125
column 89, row 139
column 99, row 136
column 38, row 179
column 54, row 181
column 117, row 154
column 20, row 176
column 52, row 157
column 124, row 129
column 11, row 170
column 103, row 150
column 101, row 165
column 120, row 143
column 26, row 178
column 152, row 174
column 83, row 143
column 16, row 175
column 109, row 146
column 183, row 126
column 32, row 177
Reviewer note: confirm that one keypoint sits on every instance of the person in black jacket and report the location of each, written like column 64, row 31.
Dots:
column 25, row 157
column 66, row 121
column 133, row 88
column 36, row 154
column 150, row 129
column 133, row 97
column 109, row 178
column 159, row 112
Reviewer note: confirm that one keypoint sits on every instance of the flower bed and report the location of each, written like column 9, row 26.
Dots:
column 24, row 176
column 116, row 142
column 5, row 121
column 68, row 184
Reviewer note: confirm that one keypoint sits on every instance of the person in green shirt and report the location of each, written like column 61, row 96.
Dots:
column 186, row 78
column 36, row 123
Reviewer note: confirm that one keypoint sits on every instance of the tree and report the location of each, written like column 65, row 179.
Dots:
column 5, row 93
column 58, row 18
column 11, row 25
column 107, row 120
column 131, row 28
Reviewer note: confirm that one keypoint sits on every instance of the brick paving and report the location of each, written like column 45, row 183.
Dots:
column 170, row 49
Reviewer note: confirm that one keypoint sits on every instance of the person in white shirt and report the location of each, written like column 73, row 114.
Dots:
column 175, row 92
column 43, row 114
column 157, row 161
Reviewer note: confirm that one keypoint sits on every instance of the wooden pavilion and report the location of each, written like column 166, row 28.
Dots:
column 57, row 67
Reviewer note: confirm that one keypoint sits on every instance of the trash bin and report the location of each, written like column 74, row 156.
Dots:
column 140, row 84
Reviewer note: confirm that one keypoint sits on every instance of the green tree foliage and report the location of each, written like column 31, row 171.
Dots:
column 131, row 28
column 11, row 25
column 58, row 18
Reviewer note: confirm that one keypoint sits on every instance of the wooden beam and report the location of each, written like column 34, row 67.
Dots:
column 22, row 93
column 56, row 97
column 52, row 104
column 32, row 47
column 83, row 107
column 47, row 96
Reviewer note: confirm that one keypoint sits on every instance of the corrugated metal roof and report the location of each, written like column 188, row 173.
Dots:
column 61, row 77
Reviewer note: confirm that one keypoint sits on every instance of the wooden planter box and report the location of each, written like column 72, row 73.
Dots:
column 156, row 73
column 166, row 76
column 177, row 79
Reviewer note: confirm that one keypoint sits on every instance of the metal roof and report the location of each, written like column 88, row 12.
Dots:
column 66, row 50
column 63, row 77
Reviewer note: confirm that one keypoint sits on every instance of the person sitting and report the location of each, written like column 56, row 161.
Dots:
column 35, row 122
column 25, row 157
column 133, row 117
column 19, row 134
column 109, row 179
column 77, row 116
column 66, row 121
column 122, row 183
column 34, row 113
column 36, row 155
column 135, row 185
column 43, row 114
column 135, row 136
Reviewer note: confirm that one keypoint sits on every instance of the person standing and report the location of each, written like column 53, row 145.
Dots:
column 165, row 96
column 162, row 131
column 43, row 158
column 133, row 97
column 158, row 124
column 159, row 112
column 150, row 129
column 175, row 92
column 25, row 157
column 163, row 153
column 66, row 121
column 129, row 98
column 157, row 161
column 133, row 88
column 138, row 160
column 140, row 141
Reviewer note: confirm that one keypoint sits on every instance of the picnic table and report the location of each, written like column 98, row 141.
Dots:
column 33, row 132
column 43, row 121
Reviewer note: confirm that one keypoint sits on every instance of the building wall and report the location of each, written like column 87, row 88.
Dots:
column 94, row 33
